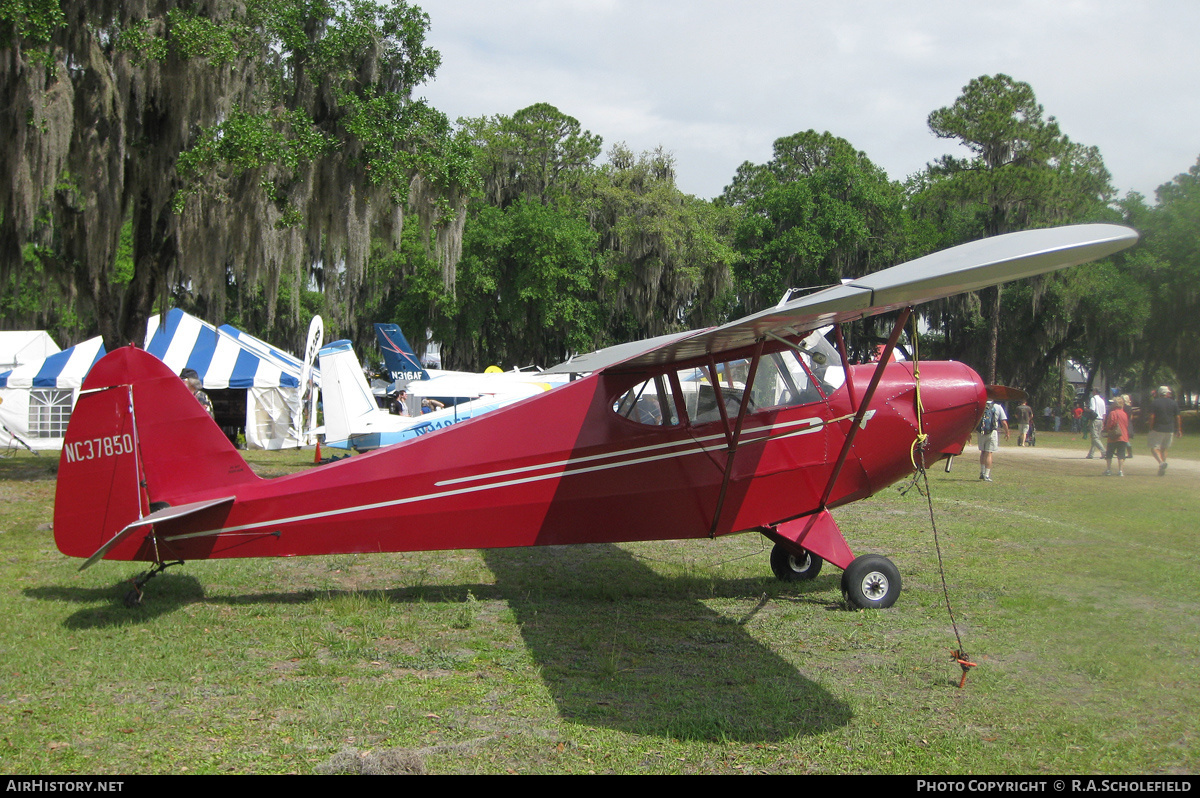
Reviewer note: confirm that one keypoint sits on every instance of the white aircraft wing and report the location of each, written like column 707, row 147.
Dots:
column 461, row 384
column 603, row 358
column 968, row 267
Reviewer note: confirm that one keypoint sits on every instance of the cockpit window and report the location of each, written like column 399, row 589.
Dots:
column 783, row 379
column 823, row 361
column 651, row 402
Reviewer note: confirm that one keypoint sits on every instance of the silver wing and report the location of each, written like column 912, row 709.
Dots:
column 968, row 267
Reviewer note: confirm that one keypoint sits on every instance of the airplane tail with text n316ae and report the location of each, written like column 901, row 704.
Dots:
column 743, row 427
column 398, row 356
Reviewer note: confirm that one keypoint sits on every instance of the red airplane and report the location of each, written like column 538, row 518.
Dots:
column 750, row 426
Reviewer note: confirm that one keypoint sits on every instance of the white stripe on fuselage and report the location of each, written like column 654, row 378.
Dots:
column 697, row 446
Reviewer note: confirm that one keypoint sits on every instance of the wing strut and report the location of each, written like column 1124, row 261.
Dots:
column 731, row 451
column 841, row 348
column 866, row 400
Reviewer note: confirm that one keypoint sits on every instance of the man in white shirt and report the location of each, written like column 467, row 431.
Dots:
column 1099, row 409
column 993, row 419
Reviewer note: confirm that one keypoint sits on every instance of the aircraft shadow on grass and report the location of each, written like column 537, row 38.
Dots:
column 623, row 647
column 616, row 644
column 104, row 607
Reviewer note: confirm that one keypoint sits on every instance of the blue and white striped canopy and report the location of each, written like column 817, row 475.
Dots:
column 224, row 358
column 65, row 369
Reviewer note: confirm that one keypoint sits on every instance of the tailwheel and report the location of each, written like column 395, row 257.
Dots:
column 790, row 568
column 871, row 582
column 134, row 597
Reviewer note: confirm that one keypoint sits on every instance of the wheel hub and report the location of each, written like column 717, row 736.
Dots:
column 875, row 585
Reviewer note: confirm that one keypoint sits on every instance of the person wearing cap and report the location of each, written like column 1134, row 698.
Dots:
column 994, row 419
column 192, row 380
column 1165, row 422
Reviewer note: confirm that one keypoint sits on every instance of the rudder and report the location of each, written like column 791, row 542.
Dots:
column 137, row 440
column 398, row 356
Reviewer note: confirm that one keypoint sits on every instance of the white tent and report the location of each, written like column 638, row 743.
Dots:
column 38, row 396
column 227, row 358
column 18, row 347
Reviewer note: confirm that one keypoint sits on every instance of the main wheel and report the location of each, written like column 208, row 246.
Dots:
column 791, row 568
column 871, row 582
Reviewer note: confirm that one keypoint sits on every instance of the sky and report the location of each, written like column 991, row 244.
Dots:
column 716, row 83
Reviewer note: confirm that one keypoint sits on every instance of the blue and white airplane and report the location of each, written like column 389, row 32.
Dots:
column 353, row 421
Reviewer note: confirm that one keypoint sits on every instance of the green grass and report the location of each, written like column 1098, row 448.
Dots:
column 1073, row 593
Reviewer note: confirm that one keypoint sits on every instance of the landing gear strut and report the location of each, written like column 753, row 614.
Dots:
column 134, row 597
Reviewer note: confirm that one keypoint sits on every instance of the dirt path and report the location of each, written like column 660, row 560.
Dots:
column 1142, row 464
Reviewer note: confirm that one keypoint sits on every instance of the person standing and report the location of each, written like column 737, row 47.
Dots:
column 1134, row 413
column 1116, row 429
column 993, row 419
column 1097, row 410
column 398, row 406
column 192, row 380
column 1165, row 421
column 1024, row 416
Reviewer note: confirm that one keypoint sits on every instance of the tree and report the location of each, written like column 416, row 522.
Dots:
column 239, row 140
column 529, row 275
column 632, row 255
column 1023, row 172
column 818, row 211
column 1171, row 231
column 537, row 153
column 668, row 265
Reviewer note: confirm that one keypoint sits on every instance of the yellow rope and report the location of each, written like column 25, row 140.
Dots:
column 919, row 442
column 960, row 654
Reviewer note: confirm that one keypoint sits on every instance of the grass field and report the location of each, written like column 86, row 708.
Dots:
column 1074, row 593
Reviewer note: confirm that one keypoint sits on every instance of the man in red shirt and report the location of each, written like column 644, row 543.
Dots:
column 1116, row 429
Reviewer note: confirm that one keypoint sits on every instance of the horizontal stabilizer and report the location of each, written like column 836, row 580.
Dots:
column 158, row 516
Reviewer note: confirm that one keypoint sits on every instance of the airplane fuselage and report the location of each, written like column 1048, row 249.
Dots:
column 562, row 467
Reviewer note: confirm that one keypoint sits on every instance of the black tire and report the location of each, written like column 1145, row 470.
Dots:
column 133, row 598
column 871, row 582
column 791, row 568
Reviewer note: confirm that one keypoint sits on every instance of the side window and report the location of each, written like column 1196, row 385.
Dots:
column 651, row 402
column 700, row 398
column 783, row 380
column 824, row 362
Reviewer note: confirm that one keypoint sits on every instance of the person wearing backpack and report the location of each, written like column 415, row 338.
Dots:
column 1116, row 429
column 994, row 418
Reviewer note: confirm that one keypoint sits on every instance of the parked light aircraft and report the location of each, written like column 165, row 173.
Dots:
column 690, row 435
column 353, row 421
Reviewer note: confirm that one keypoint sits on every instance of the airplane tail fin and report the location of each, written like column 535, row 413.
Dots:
column 137, row 441
column 401, row 362
column 347, row 396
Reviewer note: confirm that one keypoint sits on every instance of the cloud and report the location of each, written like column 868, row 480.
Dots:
column 718, row 82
